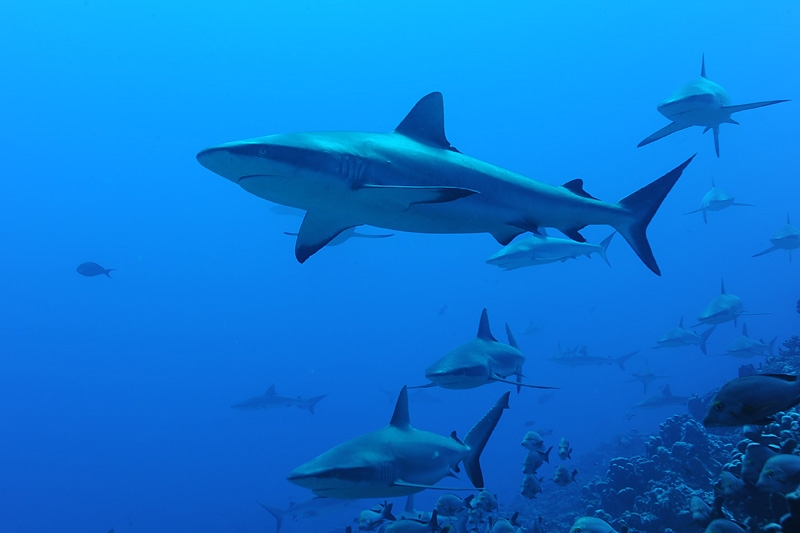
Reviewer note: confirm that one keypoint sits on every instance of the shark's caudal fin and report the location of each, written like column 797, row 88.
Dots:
column 704, row 339
column 477, row 438
column 642, row 206
column 313, row 401
column 277, row 513
column 604, row 247
column 620, row 361
column 663, row 132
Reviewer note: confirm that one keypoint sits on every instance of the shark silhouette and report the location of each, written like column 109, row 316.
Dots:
column 701, row 102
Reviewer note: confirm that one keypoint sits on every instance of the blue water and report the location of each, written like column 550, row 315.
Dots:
column 115, row 393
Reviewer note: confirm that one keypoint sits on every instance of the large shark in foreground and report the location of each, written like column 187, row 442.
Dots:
column 700, row 103
column 413, row 179
column 397, row 460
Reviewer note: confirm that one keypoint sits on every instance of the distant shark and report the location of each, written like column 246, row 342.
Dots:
column 744, row 346
column 724, row 308
column 681, row 336
column 413, row 179
column 786, row 238
column 397, row 460
column 271, row 400
column 665, row 399
column 480, row 361
column 716, row 200
column 307, row 509
column 580, row 357
column 646, row 377
column 700, row 103
column 542, row 249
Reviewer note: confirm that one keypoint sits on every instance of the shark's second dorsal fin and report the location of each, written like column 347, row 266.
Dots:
column 722, row 287
column 576, row 187
column 425, row 122
column 680, row 324
column 666, row 391
column 484, row 332
column 271, row 391
column 400, row 418
column 703, row 67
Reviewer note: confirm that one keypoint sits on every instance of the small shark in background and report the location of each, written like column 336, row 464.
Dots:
column 716, row 200
column 665, row 399
column 681, row 336
column 307, row 509
column 724, row 308
column 399, row 459
column 786, row 238
column 413, row 179
column 744, row 346
column 700, row 103
column 271, row 400
column 580, row 357
column 481, row 361
column 646, row 377
column 542, row 249
column 533, row 329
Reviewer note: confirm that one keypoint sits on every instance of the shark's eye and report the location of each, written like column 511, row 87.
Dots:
column 262, row 151
column 770, row 473
column 577, row 530
column 719, row 407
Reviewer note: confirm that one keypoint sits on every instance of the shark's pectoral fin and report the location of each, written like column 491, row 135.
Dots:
column 518, row 383
column 663, row 132
column 574, row 233
column 420, row 486
column 317, row 230
column 401, row 197
column 768, row 250
column 755, row 105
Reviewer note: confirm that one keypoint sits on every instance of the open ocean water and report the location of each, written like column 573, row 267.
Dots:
column 116, row 392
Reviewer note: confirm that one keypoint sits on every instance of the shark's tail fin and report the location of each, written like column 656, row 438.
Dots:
column 642, row 206
column 477, row 438
column 108, row 271
column 620, row 361
column 704, row 339
column 604, row 247
column 277, row 513
column 314, row 401
column 772, row 345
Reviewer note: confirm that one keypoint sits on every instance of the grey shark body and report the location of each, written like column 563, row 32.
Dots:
column 306, row 509
column 716, row 200
column 665, row 399
column 543, row 249
column 272, row 400
column 397, row 460
column 480, row 361
column 745, row 346
column 580, row 357
column 786, row 238
column 413, row 179
column 724, row 308
column 681, row 336
column 701, row 102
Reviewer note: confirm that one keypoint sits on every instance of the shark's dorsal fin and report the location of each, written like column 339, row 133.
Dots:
column 666, row 391
column 703, row 67
column 713, row 185
column 680, row 324
column 425, row 122
column 400, row 418
column 576, row 187
column 484, row 332
column 722, row 287
column 271, row 391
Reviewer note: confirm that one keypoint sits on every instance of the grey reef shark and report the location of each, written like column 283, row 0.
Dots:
column 716, row 200
column 786, row 238
column 412, row 179
column 701, row 102
column 399, row 459
column 724, row 308
column 272, row 400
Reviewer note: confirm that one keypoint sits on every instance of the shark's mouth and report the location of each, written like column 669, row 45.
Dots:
column 256, row 176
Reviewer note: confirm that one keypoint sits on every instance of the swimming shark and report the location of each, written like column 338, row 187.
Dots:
column 306, row 509
column 716, row 200
column 744, row 346
column 413, row 179
column 681, row 336
column 646, row 377
column 397, row 460
column 542, row 249
column 349, row 233
column 481, row 361
column 272, row 399
column 700, row 103
column 723, row 308
column 580, row 357
column 786, row 238
column 665, row 399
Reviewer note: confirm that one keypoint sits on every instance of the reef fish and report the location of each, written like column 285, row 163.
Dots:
column 721, row 525
column 590, row 524
column 564, row 451
column 93, row 269
column 781, row 473
column 752, row 400
column 564, row 477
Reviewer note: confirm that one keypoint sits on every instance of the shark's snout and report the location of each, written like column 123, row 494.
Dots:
column 218, row 160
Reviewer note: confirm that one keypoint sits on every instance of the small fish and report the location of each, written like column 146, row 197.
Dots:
column 590, row 524
column 533, row 441
column 503, row 525
column 451, row 505
column 486, row 501
column 755, row 456
column 564, row 451
column 531, row 486
column 729, row 485
column 781, row 473
column 93, row 269
column 534, row 460
column 412, row 526
column 564, row 477
column 371, row 519
column 721, row 525
column 752, row 400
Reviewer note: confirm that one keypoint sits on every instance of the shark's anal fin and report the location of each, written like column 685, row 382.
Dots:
column 317, row 230
column 663, row 132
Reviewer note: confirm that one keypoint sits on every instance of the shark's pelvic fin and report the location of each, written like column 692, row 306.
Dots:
column 642, row 206
column 477, row 438
column 425, row 122
column 663, row 132
column 316, row 231
column 484, row 331
column 400, row 418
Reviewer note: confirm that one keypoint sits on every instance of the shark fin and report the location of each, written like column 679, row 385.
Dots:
column 403, row 197
column 508, row 234
column 511, row 340
column 642, row 206
column 409, row 504
column 425, row 122
column 576, row 187
column 518, row 384
column 716, row 140
column 663, row 132
column 316, row 231
column 477, row 438
column 484, row 332
column 604, row 247
column 744, row 328
column 400, row 418
column 768, row 250
column 722, row 286
column 277, row 513
column 401, row 483
column 271, row 391
column 373, row 235
column 704, row 339
column 703, row 67
column 311, row 402
column 680, row 324
column 745, row 107
column 666, row 391
column 574, row 233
